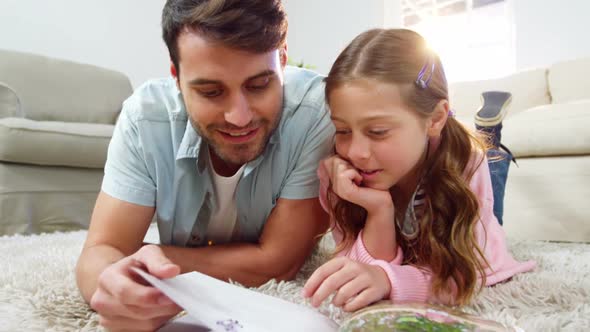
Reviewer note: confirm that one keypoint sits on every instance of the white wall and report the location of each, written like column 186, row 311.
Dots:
column 118, row 34
column 320, row 29
column 125, row 34
column 548, row 31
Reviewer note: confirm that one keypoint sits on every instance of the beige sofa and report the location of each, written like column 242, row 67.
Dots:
column 548, row 129
column 56, row 120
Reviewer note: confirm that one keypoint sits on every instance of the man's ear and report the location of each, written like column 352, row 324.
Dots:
column 439, row 118
column 174, row 73
column 283, row 57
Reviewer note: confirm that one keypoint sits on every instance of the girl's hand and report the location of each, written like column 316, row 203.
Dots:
column 346, row 183
column 356, row 284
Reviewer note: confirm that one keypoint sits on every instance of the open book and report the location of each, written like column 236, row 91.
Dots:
column 214, row 305
column 217, row 306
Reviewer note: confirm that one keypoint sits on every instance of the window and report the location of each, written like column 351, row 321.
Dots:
column 472, row 37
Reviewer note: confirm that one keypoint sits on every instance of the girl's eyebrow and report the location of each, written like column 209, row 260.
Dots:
column 370, row 118
column 377, row 117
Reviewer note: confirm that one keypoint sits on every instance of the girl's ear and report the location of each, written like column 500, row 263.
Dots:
column 439, row 118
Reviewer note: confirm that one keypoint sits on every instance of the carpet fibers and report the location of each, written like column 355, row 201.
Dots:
column 38, row 289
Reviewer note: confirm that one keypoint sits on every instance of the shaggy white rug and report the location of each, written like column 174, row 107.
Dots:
column 38, row 290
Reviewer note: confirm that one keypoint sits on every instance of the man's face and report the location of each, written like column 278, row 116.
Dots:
column 233, row 97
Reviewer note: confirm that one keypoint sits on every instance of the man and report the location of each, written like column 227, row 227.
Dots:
column 224, row 154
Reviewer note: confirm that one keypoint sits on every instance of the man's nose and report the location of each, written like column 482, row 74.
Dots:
column 239, row 113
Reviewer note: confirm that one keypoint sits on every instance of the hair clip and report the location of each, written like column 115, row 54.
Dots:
column 451, row 113
column 420, row 82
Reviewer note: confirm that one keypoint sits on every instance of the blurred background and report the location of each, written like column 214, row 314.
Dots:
column 477, row 39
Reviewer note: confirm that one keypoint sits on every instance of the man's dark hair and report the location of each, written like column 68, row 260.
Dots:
column 256, row 26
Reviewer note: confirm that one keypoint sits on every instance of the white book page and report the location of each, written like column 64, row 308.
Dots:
column 214, row 305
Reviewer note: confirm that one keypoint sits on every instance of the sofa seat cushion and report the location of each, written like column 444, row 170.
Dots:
column 27, row 141
column 549, row 130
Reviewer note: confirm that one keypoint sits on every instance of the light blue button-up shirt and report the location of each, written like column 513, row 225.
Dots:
column 156, row 158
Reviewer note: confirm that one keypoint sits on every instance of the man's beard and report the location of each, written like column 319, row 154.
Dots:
column 237, row 154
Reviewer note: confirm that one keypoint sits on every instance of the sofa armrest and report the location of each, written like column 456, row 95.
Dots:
column 10, row 105
column 59, row 90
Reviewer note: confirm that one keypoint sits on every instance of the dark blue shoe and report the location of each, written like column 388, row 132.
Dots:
column 488, row 119
column 494, row 107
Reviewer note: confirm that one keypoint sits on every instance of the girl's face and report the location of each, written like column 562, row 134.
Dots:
column 378, row 134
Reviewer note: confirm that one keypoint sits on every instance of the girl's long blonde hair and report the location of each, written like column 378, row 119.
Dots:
column 446, row 242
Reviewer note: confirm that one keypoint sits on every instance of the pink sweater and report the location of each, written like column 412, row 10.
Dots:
column 410, row 284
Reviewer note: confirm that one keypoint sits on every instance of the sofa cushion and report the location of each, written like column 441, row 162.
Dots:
column 57, row 90
column 528, row 88
column 569, row 80
column 54, row 143
column 549, row 130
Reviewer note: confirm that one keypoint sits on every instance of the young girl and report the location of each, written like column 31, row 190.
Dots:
column 408, row 190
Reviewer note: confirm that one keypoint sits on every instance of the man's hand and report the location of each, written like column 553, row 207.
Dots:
column 125, row 302
column 356, row 284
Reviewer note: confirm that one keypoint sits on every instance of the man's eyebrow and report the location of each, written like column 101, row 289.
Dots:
column 202, row 81
column 267, row 72
column 335, row 118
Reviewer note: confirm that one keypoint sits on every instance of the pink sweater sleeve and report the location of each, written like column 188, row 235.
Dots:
column 408, row 283
column 412, row 284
